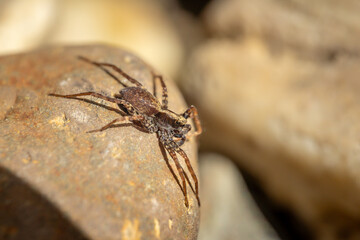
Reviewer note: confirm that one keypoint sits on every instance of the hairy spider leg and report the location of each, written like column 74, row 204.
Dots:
column 134, row 81
column 163, row 151
column 193, row 113
column 121, row 119
column 94, row 94
column 164, row 89
column 128, row 106
column 163, row 85
column 192, row 172
column 188, row 180
column 181, row 173
column 117, row 69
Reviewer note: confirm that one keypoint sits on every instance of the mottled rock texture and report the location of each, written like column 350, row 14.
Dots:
column 294, row 124
column 228, row 209
column 59, row 182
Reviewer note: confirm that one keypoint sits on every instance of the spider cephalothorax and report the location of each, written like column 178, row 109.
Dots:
column 143, row 108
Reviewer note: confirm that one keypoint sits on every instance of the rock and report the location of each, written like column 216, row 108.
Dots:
column 291, row 123
column 228, row 210
column 64, row 183
column 320, row 29
column 25, row 25
column 142, row 26
column 7, row 100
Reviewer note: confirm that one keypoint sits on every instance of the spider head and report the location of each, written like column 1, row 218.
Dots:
column 169, row 119
column 180, row 121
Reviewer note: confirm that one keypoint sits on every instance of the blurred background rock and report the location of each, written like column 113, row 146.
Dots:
column 228, row 210
column 145, row 27
column 276, row 83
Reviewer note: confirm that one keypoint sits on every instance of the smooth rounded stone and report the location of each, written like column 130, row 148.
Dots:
column 293, row 124
column 59, row 182
column 228, row 210
column 313, row 28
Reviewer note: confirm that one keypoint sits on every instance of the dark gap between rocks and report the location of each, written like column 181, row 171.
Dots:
column 287, row 225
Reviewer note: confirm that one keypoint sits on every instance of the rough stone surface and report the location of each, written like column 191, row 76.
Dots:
column 228, row 210
column 319, row 29
column 291, row 123
column 59, row 182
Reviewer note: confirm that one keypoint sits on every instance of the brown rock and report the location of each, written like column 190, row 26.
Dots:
column 7, row 100
column 293, row 124
column 228, row 209
column 109, row 185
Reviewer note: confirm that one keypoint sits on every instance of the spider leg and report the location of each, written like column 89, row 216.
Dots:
column 164, row 89
column 122, row 119
column 117, row 69
column 94, row 94
column 163, row 151
column 181, row 173
column 127, row 105
column 192, row 172
column 193, row 113
column 188, row 180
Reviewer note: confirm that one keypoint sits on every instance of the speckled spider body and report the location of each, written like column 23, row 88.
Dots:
column 143, row 108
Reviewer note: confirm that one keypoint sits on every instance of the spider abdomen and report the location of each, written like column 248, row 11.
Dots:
column 141, row 99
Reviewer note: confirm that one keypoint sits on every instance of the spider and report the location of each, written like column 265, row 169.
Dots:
column 145, row 110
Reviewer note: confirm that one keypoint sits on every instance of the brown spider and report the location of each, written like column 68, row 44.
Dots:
column 144, row 109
